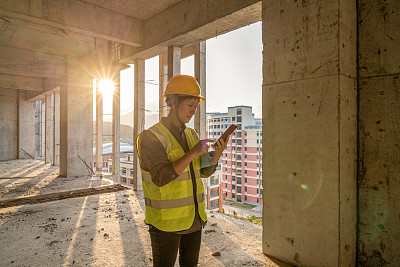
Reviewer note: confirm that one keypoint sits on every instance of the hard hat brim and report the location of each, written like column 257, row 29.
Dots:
column 201, row 99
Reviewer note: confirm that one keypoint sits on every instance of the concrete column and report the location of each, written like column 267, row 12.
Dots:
column 48, row 119
column 200, row 68
column 163, row 80
column 379, row 128
column 139, row 116
column 76, row 120
column 56, row 129
column 116, row 118
column 43, row 129
column 26, row 127
column 99, row 128
column 310, row 131
column 174, row 61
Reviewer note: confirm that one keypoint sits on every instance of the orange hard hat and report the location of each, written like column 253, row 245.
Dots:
column 183, row 85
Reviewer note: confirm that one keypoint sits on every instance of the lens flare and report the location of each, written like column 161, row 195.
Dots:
column 106, row 86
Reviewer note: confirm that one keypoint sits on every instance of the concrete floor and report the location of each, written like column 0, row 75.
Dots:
column 100, row 230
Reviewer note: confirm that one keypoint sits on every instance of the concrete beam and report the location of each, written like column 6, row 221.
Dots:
column 99, row 128
column 116, row 118
column 200, row 68
column 56, row 129
column 8, row 124
column 26, row 127
column 21, row 82
column 194, row 21
column 43, row 130
column 21, row 62
column 379, row 128
column 310, row 132
column 174, row 61
column 77, row 16
column 50, row 86
column 48, row 133
column 76, row 120
column 139, row 116
column 163, row 79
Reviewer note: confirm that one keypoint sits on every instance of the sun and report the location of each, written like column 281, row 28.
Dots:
column 106, row 87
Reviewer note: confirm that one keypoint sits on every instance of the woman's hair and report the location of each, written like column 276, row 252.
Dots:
column 181, row 98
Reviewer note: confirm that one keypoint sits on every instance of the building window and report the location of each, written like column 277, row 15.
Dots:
column 239, row 127
column 124, row 172
column 131, row 172
column 239, row 119
column 233, row 187
column 239, row 134
column 239, row 142
column 245, row 198
column 124, row 180
column 239, row 112
column 245, row 180
column 233, row 118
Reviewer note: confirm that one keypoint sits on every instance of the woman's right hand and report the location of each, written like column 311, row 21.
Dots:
column 200, row 148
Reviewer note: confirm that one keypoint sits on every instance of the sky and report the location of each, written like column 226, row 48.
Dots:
column 233, row 75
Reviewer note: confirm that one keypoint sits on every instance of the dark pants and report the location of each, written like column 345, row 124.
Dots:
column 165, row 247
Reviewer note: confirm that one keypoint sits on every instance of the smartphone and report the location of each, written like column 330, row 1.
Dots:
column 227, row 133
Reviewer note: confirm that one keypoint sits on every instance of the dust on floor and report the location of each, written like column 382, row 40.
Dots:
column 108, row 229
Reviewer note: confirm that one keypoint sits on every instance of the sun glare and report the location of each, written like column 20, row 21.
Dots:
column 106, row 86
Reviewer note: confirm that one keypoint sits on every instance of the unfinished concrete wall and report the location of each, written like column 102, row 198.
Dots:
column 8, row 124
column 76, row 120
column 379, row 133
column 309, row 132
column 26, row 127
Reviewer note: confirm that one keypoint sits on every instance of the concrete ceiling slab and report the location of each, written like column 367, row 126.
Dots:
column 139, row 9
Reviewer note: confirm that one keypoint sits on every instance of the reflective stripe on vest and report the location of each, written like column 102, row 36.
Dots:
column 172, row 203
column 146, row 177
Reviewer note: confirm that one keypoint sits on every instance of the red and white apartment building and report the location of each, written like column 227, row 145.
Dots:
column 238, row 176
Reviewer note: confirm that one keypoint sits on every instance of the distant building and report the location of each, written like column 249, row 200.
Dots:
column 125, row 149
column 240, row 176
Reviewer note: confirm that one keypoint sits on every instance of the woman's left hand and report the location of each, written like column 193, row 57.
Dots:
column 219, row 147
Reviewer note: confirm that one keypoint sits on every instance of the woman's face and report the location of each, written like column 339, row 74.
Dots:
column 187, row 108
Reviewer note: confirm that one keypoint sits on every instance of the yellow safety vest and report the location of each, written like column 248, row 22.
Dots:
column 171, row 207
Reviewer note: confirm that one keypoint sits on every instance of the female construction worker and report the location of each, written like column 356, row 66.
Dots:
column 174, row 193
